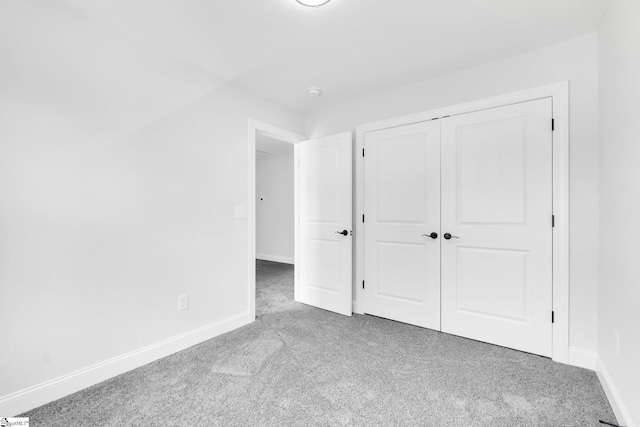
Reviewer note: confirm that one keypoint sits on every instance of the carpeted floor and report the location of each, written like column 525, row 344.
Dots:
column 302, row 366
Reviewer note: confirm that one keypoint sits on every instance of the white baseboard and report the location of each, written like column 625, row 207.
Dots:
column 48, row 391
column 619, row 409
column 582, row 358
column 275, row 258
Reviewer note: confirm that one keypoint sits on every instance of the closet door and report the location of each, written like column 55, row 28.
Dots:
column 402, row 209
column 497, row 205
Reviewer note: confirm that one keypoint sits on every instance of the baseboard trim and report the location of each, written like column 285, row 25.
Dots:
column 582, row 358
column 48, row 391
column 275, row 258
column 619, row 409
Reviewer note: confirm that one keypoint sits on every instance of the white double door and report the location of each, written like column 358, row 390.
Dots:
column 458, row 225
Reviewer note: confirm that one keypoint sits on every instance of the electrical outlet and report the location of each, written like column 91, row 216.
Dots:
column 617, row 341
column 183, row 302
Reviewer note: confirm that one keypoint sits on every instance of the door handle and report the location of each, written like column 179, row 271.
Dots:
column 343, row 232
column 449, row 236
column 433, row 235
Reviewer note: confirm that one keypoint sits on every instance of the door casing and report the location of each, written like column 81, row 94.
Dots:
column 559, row 94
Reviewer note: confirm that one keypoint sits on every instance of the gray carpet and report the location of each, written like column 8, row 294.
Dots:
column 301, row 366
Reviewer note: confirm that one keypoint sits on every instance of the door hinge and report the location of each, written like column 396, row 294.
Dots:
column 362, row 217
column 553, row 317
column 553, row 124
column 363, row 284
column 553, row 221
column 363, row 152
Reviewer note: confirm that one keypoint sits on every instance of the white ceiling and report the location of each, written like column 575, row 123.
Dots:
column 267, row 146
column 348, row 48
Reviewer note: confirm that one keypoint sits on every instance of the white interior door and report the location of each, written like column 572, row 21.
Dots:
column 325, row 206
column 402, row 208
column 497, row 203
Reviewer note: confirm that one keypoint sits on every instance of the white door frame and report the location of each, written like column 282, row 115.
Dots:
column 285, row 136
column 559, row 93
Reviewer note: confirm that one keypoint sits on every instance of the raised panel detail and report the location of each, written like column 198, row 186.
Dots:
column 323, row 180
column 491, row 172
column 401, row 179
column 492, row 282
column 323, row 254
column 401, row 271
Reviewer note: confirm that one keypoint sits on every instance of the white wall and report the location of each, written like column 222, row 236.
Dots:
column 119, row 172
column 575, row 60
column 620, row 204
column 275, row 207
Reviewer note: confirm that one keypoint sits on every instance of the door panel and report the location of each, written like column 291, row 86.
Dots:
column 400, row 271
column 325, row 198
column 402, row 202
column 397, row 187
column 492, row 282
column 497, row 201
column 491, row 188
column 324, row 253
column 322, row 171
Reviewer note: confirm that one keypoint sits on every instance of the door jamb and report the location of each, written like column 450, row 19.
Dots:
column 285, row 136
column 559, row 93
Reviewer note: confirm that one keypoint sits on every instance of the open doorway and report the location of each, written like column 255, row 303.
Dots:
column 272, row 213
column 275, row 228
column 322, row 218
column 275, row 224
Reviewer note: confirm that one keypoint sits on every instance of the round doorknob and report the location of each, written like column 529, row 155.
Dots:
column 343, row 232
column 433, row 235
column 448, row 236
